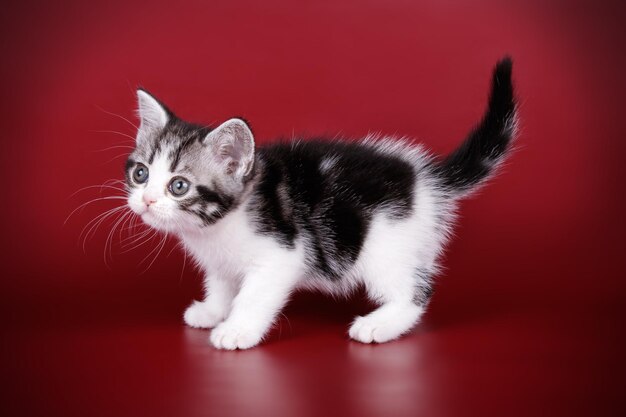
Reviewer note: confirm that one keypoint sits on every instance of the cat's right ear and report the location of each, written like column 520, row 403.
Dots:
column 152, row 114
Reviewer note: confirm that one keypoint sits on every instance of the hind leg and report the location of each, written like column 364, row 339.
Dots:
column 396, row 265
column 403, row 293
column 388, row 322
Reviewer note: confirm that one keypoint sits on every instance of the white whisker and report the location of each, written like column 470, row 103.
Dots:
column 101, row 216
column 101, row 187
column 114, row 158
column 109, row 240
column 115, row 147
column 91, row 202
column 116, row 132
column 135, row 238
column 119, row 116
column 96, row 222
column 142, row 240
column 160, row 248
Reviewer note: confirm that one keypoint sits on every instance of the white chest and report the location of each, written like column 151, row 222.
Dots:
column 223, row 248
column 231, row 248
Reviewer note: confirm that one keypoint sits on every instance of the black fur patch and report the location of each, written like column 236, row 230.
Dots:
column 224, row 202
column 180, row 149
column 156, row 148
column 268, row 205
column 198, row 204
column 207, row 195
column 327, row 192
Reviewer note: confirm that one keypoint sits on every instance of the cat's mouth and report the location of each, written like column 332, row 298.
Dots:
column 155, row 218
column 150, row 214
column 151, row 219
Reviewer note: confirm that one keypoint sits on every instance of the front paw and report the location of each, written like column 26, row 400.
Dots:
column 231, row 336
column 200, row 315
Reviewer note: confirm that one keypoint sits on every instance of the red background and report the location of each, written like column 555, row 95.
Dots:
column 526, row 319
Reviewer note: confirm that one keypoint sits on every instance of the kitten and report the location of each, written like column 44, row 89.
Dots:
column 318, row 214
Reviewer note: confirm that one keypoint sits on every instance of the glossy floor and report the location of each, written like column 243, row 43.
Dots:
column 524, row 362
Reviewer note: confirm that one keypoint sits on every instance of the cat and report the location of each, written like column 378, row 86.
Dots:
column 327, row 215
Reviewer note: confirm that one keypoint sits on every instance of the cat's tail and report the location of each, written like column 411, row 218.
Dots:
column 489, row 143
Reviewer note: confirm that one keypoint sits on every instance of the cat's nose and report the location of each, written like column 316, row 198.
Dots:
column 149, row 200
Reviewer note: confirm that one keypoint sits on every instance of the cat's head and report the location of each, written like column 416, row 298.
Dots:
column 183, row 176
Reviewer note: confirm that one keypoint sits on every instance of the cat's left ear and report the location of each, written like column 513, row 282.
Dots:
column 232, row 144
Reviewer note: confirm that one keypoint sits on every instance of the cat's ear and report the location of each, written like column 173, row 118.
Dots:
column 152, row 114
column 232, row 144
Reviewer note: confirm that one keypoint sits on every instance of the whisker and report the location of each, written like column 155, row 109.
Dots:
column 142, row 242
column 182, row 247
column 128, row 227
column 116, row 132
column 91, row 202
column 114, row 158
column 108, row 243
column 115, row 147
column 135, row 238
column 138, row 225
column 95, row 224
column 115, row 181
column 160, row 248
column 152, row 251
column 101, row 216
column 97, row 186
column 131, row 226
column 117, row 115
column 182, row 271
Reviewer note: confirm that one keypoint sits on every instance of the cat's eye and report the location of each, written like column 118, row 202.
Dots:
column 140, row 174
column 179, row 186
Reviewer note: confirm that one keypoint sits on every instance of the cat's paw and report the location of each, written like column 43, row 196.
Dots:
column 200, row 315
column 370, row 330
column 231, row 336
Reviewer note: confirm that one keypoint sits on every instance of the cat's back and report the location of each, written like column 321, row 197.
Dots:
column 372, row 171
column 371, row 153
column 320, row 184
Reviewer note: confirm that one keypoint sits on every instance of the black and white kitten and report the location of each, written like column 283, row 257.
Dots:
column 312, row 214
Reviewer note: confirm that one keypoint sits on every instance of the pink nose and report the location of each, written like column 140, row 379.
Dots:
column 148, row 200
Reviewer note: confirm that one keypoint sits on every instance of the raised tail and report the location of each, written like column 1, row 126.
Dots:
column 488, row 144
